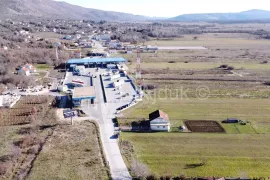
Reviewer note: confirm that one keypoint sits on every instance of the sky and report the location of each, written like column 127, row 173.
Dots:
column 172, row 8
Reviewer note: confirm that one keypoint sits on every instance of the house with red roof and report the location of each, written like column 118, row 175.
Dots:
column 27, row 69
column 159, row 121
column 31, row 68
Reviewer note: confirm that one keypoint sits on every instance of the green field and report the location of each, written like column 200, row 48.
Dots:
column 236, row 155
column 200, row 65
column 210, row 109
column 243, row 151
column 209, row 41
column 43, row 67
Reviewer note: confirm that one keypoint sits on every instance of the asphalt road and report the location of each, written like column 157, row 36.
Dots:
column 103, row 113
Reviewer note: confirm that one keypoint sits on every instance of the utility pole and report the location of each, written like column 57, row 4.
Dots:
column 138, row 71
column 56, row 45
column 56, row 53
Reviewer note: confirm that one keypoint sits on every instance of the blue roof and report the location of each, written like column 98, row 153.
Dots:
column 96, row 60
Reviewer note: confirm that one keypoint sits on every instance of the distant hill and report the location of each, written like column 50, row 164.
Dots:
column 250, row 15
column 61, row 10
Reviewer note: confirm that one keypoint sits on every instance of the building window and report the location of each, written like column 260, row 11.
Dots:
column 163, row 126
column 158, row 127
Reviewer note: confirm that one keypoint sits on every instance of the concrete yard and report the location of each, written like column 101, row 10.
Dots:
column 70, row 77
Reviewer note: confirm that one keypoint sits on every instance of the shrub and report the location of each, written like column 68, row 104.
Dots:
column 186, row 62
column 223, row 66
column 265, row 62
column 4, row 166
column 149, row 87
column 230, row 68
column 152, row 177
column 267, row 83
column 165, row 177
column 226, row 67
column 171, row 62
column 139, row 169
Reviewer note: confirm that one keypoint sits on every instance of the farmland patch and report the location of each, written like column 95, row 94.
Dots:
column 204, row 126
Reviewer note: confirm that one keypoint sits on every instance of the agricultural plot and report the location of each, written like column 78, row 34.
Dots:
column 204, row 126
column 27, row 109
column 216, row 109
column 172, row 78
column 200, row 154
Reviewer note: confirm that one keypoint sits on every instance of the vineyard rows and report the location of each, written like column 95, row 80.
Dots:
column 20, row 113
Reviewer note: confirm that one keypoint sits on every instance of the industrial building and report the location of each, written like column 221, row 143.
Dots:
column 83, row 93
column 95, row 62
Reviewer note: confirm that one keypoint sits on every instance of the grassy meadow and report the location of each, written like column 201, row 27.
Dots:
column 230, row 155
column 241, row 92
column 73, row 152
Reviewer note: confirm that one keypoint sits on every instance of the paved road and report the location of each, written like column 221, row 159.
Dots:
column 103, row 114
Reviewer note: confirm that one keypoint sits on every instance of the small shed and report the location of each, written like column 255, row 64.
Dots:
column 159, row 121
column 231, row 120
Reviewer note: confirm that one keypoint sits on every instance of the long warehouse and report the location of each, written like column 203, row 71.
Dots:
column 95, row 62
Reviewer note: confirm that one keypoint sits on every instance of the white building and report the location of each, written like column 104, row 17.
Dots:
column 9, row 100
column 63, row 88
column 159, row 121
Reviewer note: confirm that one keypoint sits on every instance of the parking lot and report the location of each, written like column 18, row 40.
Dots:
column 69, row 78
column 120, row 96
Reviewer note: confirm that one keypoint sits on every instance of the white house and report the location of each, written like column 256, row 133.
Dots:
column 159, row 121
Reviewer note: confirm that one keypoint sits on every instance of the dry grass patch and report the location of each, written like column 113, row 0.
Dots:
column 73, row 152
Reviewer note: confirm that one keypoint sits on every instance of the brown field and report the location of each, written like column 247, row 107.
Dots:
column 24, row 130
column 204, row 126
column 72, row 152
column 22, row 112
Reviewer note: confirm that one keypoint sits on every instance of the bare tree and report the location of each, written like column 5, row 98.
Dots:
column 139, row 169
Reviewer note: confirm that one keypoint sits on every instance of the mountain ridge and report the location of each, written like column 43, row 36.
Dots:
column 253, row 14
column 60, row 9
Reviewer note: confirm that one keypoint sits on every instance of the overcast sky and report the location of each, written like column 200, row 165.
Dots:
column 171, row 8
